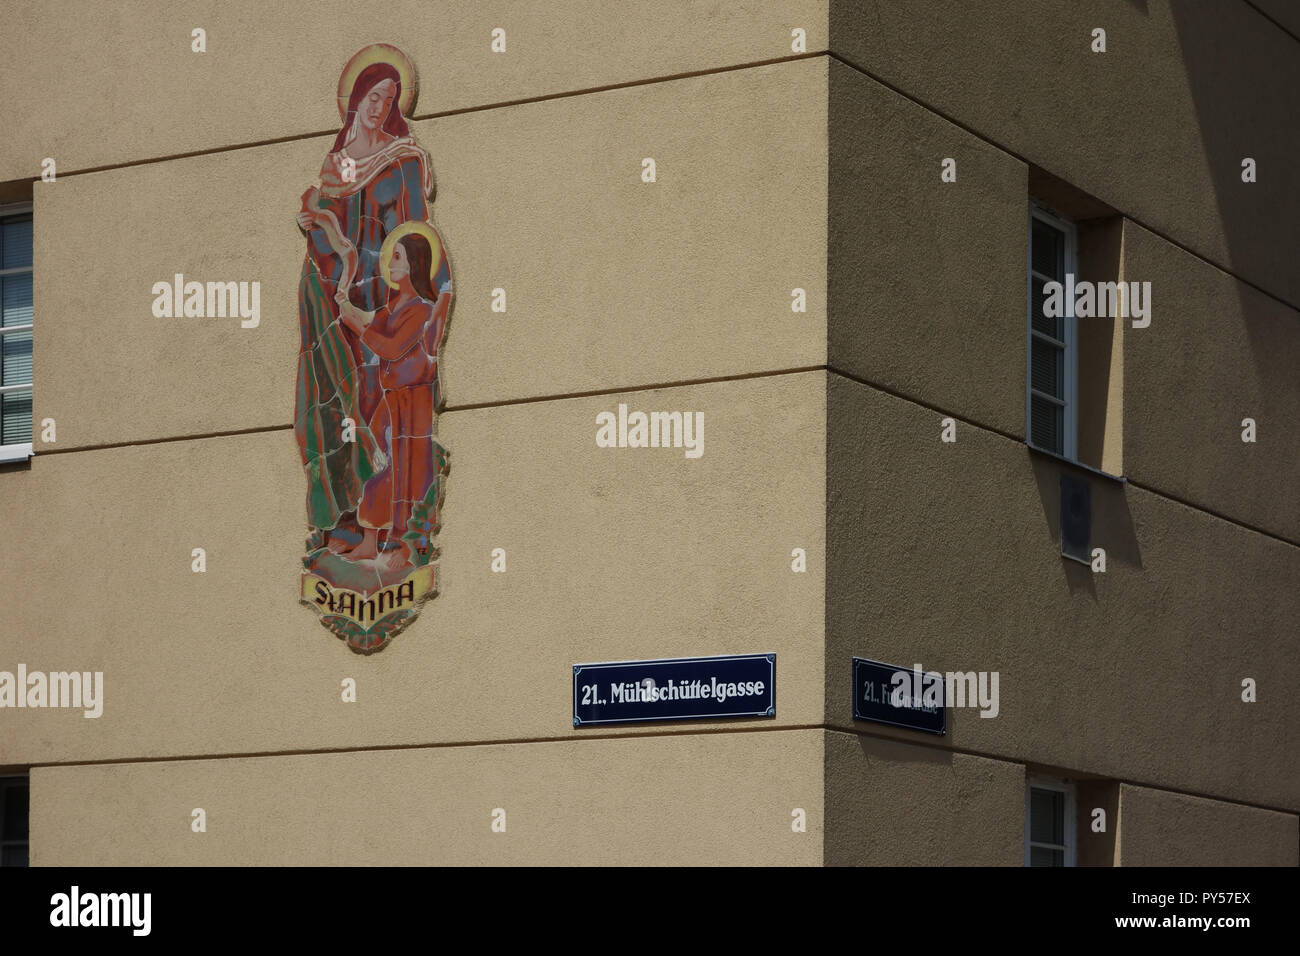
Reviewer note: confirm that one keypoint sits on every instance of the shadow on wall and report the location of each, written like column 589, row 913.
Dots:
column 1112, row 522
column 902, row 751
column 1239, row 85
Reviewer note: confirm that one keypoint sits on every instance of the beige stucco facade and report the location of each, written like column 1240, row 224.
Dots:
column 606, row 802
column 777, row 169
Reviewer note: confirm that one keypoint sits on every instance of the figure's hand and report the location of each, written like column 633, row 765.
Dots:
column 310, row 197
column 351, row 316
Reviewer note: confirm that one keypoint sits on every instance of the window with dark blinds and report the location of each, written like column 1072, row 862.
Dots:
column 13, row 821
column 1050, row 823
column 16, row 320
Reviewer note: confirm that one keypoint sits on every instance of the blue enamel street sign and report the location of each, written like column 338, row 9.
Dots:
column 692, row 688
column 912, row 700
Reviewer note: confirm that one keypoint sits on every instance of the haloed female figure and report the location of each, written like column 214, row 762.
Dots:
column 373, row 179
column 405, row 333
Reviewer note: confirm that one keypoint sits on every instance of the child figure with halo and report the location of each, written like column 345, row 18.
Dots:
column 406, row 334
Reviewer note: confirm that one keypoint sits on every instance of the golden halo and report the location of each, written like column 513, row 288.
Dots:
column 405, row 229
column 378, row 53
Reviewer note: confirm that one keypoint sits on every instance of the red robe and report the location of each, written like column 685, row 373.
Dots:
column 406, row 342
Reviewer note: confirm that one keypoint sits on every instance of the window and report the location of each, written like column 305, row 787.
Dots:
column 1049, row 822
column 15, row 333
column 1051, row 387
column 13, row 821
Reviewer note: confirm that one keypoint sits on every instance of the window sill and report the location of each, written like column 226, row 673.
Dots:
column 1075, row 464
column 12, row 453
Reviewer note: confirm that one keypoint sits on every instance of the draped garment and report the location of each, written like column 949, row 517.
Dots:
column 338, row 379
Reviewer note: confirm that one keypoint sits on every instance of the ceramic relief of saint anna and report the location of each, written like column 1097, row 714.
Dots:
column 374, row 301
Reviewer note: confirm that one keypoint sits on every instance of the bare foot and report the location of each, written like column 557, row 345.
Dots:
column 397, row 558
column 386, row 563
column 367, row 548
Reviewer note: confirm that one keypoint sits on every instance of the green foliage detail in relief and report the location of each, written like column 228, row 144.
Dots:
column 423, row 525
column 315, row 545
column 365, row 640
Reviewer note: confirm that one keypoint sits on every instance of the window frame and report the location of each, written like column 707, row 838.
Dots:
column 21, row 451
column 1069, row 825
column 1070, row 360
column 13, row 782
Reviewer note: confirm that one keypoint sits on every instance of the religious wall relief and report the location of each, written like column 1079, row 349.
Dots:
column 374, row 301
